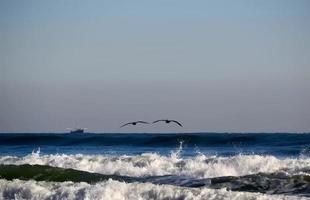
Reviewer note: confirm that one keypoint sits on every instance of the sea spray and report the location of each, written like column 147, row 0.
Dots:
column 153, row 164
column 115, row 190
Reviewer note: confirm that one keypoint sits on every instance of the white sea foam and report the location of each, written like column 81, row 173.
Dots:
column 114, row 190
column 153, row 164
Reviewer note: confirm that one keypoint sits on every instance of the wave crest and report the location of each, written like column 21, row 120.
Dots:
column 153, row 164
column 114, row 190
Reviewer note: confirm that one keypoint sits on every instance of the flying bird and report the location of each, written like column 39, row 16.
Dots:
column 134, row 123
column 168, row 121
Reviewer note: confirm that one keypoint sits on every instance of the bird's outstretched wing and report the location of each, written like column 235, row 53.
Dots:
column 160, row 120
column 176, row 122
column 126, row 124
column 142, row 122
column 134, row 123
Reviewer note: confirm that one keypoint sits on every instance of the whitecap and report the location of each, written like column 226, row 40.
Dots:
column 153, row 164
column 114, row 190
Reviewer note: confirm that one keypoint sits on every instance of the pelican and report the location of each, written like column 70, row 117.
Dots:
column 168, row 121
column 134, row 123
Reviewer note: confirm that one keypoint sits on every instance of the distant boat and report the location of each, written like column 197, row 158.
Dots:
column 77, row 130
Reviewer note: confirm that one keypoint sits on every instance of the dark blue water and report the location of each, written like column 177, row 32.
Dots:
column 223, row 144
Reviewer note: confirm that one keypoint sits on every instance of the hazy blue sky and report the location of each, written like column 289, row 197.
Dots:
column 214, row 65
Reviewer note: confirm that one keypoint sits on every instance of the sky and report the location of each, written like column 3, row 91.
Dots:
column 216, row 66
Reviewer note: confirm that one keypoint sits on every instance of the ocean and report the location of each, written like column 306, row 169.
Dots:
column 137, row 166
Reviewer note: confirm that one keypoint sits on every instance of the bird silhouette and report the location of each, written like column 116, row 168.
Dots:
column 168, row 121
column 134, row 123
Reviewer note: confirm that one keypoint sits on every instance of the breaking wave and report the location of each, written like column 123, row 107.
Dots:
column 115, row 190
column 274, row 183
column 153, row 164
column 154, row 175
